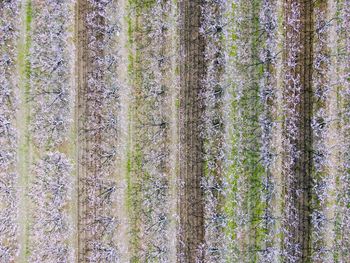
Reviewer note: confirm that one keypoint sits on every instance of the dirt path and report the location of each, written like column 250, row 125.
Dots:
column 190, row 199
column 297, row 129
column 81, row 73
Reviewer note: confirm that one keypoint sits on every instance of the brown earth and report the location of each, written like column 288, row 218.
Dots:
column 192, row 72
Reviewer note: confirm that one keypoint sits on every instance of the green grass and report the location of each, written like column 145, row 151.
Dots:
column 134, row 160
column 24, row 151
column 245, row 161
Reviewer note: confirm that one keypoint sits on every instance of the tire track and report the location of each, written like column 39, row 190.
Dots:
column 190, row 193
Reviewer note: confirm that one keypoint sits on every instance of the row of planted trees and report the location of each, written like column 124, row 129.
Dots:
column 174, row 131
column 289, row 99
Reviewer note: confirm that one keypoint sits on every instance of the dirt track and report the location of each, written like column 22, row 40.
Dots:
column 192, row 70
column 298, row 121
column 81, row 71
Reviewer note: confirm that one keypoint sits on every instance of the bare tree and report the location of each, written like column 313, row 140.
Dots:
column 9, row 34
